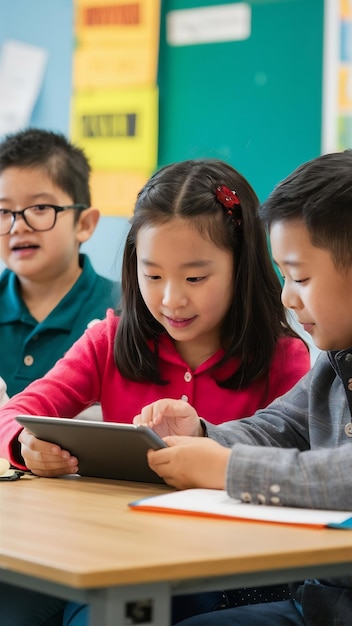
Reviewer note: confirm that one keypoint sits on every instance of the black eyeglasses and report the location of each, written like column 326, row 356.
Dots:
column 40, row 217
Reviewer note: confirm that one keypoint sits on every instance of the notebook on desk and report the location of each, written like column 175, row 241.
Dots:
column 217, row 503
column 103, row 449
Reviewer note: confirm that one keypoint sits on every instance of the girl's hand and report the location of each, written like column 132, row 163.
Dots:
column 44, row 458
column 170, row 417
column 189, row 462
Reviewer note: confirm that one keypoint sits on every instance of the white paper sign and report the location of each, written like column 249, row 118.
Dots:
column 22, row 68
column 224, row 22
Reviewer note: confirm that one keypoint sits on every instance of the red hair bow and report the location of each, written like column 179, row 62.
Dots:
column 227, row 197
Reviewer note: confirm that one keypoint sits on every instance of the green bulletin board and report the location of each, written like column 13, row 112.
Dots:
column 255, row 103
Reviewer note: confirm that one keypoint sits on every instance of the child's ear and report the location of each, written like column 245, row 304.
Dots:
column 86, row 224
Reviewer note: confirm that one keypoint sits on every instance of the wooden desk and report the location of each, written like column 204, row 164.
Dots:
column 76, row 538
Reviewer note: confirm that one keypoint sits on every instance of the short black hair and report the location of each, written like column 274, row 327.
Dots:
column 66, row 164
column 319, row 193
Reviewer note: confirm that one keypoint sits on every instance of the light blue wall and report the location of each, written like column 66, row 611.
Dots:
column 49, row 24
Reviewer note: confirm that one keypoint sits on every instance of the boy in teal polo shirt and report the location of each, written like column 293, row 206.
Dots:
column 49, row 292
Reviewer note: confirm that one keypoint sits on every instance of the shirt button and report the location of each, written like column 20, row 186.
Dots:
column 348, row 357
column 246, row 496
column 274, row 488
column 261, row 498
column 184, row 397
column 349, row 384
column 92, row 323
column 275, row 500
column 348, row 429
column 28, row 360
column 188, row 377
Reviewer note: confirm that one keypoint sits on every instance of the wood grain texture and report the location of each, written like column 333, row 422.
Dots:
column 81, row 532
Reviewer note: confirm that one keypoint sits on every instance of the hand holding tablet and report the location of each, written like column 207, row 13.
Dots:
column 103, row 449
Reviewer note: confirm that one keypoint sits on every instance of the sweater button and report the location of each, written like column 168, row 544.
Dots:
column 28, row 360
column 188, row 377
column 348, row 429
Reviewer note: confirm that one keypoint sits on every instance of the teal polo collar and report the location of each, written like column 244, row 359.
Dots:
column 13, row 308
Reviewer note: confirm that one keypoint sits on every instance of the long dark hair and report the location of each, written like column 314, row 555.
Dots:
column 256, row 318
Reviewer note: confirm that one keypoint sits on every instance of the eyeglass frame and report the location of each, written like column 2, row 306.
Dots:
column 57, row 209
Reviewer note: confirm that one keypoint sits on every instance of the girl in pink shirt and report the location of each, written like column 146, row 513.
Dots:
column 201, row 319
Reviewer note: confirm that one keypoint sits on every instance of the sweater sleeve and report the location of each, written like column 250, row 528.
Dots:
column 318, row 479
column 304, row 459
column 72, row 385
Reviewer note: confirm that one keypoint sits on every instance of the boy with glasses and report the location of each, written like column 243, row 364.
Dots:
column 49, row 292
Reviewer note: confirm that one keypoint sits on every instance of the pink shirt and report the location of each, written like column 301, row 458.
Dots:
column 87, row 374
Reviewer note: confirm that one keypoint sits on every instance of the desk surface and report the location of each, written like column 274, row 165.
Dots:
column 81, row 533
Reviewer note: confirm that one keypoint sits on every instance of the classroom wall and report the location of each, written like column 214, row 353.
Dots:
column 255, row 103
column 49, row 24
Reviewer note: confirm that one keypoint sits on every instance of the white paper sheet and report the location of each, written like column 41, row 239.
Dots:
column 22, row 68
column 216, row 503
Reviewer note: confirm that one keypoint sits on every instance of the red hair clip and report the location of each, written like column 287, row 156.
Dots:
column 227, row 197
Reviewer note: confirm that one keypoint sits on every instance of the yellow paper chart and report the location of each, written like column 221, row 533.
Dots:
column 101, row 68
column 345, row 88
column 117, row 43
column 115, row 193
column 117, row 128
column 346, row 9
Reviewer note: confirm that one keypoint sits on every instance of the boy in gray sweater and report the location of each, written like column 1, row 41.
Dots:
column 305, row 437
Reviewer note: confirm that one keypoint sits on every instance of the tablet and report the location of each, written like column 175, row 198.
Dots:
column 103, row 449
